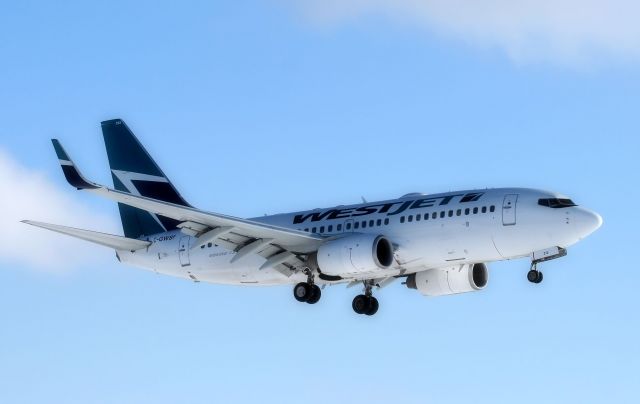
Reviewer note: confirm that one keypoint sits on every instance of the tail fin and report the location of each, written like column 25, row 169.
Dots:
column 134, row 171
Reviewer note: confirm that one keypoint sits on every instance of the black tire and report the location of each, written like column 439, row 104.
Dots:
column 302, row 291
column 360, row 304
column 373, row 306
column 532, row 276
column 539, row 278
column 314, row 295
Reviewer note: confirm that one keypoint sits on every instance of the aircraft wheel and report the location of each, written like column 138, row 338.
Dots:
column 302, row 292
column 534, row 276
column 360, row 304
column 540, row 277
column 315, row 294
column 373, row 306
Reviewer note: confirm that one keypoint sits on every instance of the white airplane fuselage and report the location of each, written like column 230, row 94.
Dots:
column 427, row 232
column 440, row 244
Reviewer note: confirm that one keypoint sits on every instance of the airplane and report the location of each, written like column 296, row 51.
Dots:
column 439, row 244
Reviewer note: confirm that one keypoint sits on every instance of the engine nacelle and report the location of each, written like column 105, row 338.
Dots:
column 354, row 254
column 451, row 280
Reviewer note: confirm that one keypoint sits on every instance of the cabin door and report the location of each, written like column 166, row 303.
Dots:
column 509, row 209
column 183, row 251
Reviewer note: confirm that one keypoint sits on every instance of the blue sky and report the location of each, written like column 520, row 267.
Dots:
column 266, row 107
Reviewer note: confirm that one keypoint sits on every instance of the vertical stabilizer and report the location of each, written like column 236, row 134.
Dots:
column 134, row 171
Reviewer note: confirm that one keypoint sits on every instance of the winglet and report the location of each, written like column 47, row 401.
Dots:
column 71, row 173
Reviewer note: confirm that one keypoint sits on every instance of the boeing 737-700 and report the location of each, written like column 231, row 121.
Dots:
column 439, row 244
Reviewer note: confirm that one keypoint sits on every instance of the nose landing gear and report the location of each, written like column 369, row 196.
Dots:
column 534, row 276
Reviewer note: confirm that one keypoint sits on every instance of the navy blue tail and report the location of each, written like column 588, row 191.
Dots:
column 134, row 171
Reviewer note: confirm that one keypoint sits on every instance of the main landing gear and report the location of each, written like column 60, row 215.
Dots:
column 366, row 304
column 534, row 276
column 307, row 291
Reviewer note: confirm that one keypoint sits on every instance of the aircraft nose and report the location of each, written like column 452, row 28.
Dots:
column 586, row 221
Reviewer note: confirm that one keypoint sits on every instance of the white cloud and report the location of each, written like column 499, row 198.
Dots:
column 27, row 194
column 569, row 32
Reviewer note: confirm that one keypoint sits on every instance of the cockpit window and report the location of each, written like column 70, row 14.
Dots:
column 556, row 203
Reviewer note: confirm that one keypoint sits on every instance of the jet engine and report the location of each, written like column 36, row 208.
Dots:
column 355, row 254
column 450, row 280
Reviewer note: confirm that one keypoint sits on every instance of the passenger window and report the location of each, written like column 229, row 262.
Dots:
column 484, row 209
column 348, row 226
column 418, row 217
column 202, row 246
column 209, row 245
column 475, row 210
column 313, row 230
column 458, row 212
column 492, row 208
column 307, row 230
column 450, row 213
column 364, row 224
column 386, row 221
column 330, row 229
column 410, row 218
column 379, row 222
column 371, row 222
column 434, row 215
column 442, row 214
column 401, row 219
column 321, row 229
column 339, row 227
column 356, row 225
column 466, row 211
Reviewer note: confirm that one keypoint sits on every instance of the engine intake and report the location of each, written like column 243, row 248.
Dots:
column 355, row 254
column 449, row 281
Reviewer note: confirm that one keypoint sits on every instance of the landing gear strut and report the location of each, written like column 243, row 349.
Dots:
column 551, row 253
column 307, row 291
column 365, row 304
column 534, row 276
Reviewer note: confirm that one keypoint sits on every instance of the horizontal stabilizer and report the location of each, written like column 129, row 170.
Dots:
column 107, row 240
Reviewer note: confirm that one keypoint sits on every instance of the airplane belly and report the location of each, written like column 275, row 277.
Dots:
column 214, row 265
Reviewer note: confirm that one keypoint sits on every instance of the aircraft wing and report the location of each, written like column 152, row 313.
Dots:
column 277, row 244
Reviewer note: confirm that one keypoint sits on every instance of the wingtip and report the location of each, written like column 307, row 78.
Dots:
column 71, row 173
column 60, row 152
